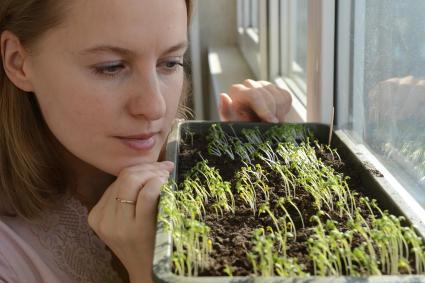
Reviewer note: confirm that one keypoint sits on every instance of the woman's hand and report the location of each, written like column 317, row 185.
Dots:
column 125, row 216
column 254, row 101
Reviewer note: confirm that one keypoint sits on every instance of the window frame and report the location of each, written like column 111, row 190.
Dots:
column 316, row 103
column 321, row 60
column 253, row 41
column 287, row 15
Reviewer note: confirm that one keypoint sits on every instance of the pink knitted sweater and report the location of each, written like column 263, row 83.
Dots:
column 59, row 247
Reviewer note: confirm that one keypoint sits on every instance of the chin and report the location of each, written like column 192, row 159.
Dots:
column 151, row 157
column 119, row 161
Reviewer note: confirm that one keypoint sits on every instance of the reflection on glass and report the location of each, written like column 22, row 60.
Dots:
column 388, row 84
column 396, row 123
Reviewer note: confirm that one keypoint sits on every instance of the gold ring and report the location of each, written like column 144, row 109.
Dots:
column 133, row 202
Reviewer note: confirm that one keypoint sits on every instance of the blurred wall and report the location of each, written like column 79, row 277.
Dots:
column 214, row 25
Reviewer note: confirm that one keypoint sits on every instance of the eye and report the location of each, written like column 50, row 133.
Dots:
column 109, row 69
column 171, row 66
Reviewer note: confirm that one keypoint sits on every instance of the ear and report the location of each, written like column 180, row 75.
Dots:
column 15, row 60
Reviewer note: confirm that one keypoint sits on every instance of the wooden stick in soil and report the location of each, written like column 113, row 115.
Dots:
column 331, row 126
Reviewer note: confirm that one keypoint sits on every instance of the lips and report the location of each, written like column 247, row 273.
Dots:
column 139, row 137
column 141, row 142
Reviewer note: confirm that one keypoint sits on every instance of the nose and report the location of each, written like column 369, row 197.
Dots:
column 147, row 99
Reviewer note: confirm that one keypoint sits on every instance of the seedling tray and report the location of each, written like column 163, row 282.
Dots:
column 369, row 177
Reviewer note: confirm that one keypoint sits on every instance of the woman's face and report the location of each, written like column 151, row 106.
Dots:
column 109, row 79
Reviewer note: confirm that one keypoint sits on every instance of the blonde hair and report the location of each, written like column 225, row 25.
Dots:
column 32, row 174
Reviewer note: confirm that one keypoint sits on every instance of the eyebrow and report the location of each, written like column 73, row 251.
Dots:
column 123, row 51
column 177, row 47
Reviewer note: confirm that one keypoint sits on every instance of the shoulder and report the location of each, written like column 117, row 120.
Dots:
column 19, row 260
column 7, row 271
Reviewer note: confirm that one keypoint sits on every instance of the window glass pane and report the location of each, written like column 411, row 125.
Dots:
column 240, row 10
column 248, row 14
column 248, row 35
column 254, row 15
column 293, row 16
column 388, row 85
column 299, row 63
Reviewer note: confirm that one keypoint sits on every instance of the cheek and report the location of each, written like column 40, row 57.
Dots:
column 62, row 104
column 74, row 110
column 66, row 94
column 173, row 91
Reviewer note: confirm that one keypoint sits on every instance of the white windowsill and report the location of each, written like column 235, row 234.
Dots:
column 253, row 35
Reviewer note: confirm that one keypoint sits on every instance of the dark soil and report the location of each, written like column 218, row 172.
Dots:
column 233, row 232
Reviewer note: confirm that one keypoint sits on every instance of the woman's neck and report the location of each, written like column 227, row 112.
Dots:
column 88, row 183
column 89, row 188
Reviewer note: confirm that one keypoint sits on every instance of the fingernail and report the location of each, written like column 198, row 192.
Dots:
column 169, row 164
column 273, row 119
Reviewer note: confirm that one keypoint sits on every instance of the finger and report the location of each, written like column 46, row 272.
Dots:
column 146, row 210
column 282, row 99
column 147, row 205
column 111, row 194
column 251, row 83
column 131, row 179
column 239, row 109
column 249, row 102
column 265, row 83
column 113, row 215
column 262, row 105
column 270, row 95
column 129, row 190
column 166, row 165
column 147, row 199
column 225, row 108
column 261, row 100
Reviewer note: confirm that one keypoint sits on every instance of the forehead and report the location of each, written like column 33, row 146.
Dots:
column 133, row 23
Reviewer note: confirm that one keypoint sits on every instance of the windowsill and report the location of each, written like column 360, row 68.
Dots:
column 253, row 35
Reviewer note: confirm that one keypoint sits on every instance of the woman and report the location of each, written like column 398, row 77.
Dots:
column 89, row 90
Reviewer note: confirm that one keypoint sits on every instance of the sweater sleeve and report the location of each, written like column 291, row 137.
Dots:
column 7, row 273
